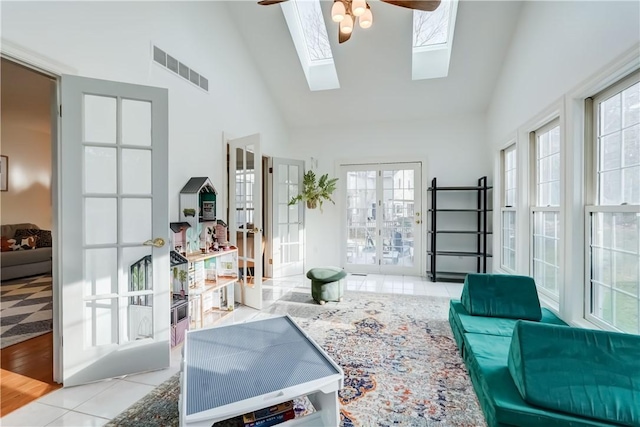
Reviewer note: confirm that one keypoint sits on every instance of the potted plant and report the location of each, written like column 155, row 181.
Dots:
column 315, row 191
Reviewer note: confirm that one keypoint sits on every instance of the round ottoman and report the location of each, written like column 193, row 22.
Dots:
column 326, row 283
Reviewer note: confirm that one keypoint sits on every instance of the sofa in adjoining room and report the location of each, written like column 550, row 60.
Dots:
column 529, row 369
column 26, row 251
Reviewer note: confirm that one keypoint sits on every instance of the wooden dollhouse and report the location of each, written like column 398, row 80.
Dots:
column 198, row 207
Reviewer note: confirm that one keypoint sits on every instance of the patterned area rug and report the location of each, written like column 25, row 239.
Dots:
column 25, row 309
column 400, row 362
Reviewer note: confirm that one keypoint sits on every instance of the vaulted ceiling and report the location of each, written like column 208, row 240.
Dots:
column 374, row 67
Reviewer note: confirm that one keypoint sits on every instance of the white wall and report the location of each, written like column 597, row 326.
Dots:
column 111, row 40
column 561, row 53
column 557, row 44
column 26, row 141
column 454, row 148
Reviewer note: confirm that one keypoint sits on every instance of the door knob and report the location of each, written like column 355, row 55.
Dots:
column 158, row 242
column 256, row 230
column 418, row 221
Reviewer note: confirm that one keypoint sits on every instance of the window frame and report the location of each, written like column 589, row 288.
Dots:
column 511, row 147
column 534, row 208
column 592, row 192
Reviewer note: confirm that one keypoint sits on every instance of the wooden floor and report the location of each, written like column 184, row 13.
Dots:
column 26, row 372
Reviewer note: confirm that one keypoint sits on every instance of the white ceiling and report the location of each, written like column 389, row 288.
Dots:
column 374, row 67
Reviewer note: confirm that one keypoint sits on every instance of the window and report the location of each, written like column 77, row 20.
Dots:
column 508, row 208
column 546, row 209
column 432, row 41
column 613, row 219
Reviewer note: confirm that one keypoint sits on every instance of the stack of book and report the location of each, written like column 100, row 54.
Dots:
column 272, row 415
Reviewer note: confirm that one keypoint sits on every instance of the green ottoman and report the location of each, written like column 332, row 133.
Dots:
column 326, row 283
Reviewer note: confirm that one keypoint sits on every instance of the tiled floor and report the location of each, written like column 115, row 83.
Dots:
column 95, row 404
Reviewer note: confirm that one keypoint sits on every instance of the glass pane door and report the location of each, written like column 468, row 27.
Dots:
column 399, row 216
column 114, row 198
column 245, row 222
column 362, row 212
column 383, row 218
column 288, row 221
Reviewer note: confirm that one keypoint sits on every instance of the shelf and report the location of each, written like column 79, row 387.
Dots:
column 458, row 188
column 195, row 256
column 220, row 283
column 448, row 276
column 461, row 210
column 454, row 253
column 459, row 232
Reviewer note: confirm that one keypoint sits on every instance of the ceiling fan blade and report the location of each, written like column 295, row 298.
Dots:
column 270, row 2
column 342, row 37
column 426, row 5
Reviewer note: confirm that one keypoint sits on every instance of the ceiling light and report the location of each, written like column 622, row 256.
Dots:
column 358, row 7
column 338, row 11
column 346, row 25
column 366, row 19
column 345, row 12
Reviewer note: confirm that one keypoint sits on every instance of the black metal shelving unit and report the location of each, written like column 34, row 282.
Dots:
column 481, row 231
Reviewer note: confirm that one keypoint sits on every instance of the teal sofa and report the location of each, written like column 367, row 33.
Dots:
column 529, row 369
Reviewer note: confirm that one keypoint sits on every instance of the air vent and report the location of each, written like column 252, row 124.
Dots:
column 167, row 61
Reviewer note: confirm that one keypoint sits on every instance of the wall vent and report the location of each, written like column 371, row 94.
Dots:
column 167, row 61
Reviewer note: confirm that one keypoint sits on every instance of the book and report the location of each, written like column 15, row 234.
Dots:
column 267, row 412
column 300, row 406
column 273, row 419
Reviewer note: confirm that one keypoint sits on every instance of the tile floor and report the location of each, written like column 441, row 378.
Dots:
column 95, row 404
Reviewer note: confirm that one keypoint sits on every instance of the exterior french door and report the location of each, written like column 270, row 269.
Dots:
column 245, row 216
column 383, row 218
column 114, row 222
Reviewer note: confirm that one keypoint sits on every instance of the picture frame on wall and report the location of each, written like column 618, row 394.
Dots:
column 4, row 173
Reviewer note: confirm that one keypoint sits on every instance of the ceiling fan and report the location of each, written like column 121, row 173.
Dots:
column 345, row 12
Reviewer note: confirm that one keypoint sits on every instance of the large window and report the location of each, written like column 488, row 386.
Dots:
column 546, row 209
column 508, row 208
column 613, row 219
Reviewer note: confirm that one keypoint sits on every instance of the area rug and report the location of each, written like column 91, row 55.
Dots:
column 25, row 309
column 400, row 362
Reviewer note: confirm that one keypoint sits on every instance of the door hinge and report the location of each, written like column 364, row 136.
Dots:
column 379, row 262
column 379, row 232
column 60, row 110
column 270, row 170
column 270, row 261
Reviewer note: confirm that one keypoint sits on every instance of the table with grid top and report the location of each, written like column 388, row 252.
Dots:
column 235, row 369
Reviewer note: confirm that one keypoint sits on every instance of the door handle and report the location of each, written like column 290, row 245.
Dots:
column 418, row 221
column 158, row 242
column 256, row 230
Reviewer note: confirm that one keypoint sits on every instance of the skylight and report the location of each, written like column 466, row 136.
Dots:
column 433, row 40
column 309, row 33
column 431, row 28
column 314, row 30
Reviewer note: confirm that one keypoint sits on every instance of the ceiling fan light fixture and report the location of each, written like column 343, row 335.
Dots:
column 338, row 11
column 346, row 25
column 358, row 7
column 366, row 20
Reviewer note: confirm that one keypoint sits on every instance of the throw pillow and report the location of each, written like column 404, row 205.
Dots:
column 44, row 236
column 7, row 244
column 25, row 244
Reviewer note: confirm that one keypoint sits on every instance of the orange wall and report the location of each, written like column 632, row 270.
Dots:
column 26, row 140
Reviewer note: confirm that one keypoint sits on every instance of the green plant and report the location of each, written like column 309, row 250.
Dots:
column 183, row 278
column 315, row 191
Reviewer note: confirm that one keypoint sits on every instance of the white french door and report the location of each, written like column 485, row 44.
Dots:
column 114, row 220
column 383, row 218
column 288, row 221
column 245, row 216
